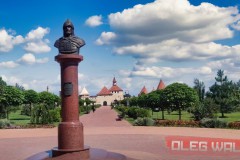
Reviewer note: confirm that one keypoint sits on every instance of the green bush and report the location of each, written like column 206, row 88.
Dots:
column 4, row 123
column 177, row 123
column 55, row 115
column 135, row 112
column 212, row 123
column 42, row 115
column 143, row 122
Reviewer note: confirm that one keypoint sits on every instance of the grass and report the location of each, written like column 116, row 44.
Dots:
column 18, row 119
column 172, row 116
column 229, row 117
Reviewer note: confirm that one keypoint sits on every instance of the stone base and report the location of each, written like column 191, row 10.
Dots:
column 83, row 153
column 94, row 154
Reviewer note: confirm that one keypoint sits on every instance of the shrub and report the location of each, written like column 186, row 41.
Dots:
column 213, row 123
column 55, row 115
column 4, row 123
column 42, row 115
column 177, row 123
column 143, row 122
column 135, row 112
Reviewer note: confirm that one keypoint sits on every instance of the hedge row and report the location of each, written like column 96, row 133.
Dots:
column 177, row 123
column 205, row 123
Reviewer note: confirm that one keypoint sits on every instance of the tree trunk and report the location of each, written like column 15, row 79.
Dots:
column 180, row 112
column 163, row 114
column 222, row 114
column 7, row 114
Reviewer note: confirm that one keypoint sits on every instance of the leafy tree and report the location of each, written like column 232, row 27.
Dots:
column 3, row 84
column 133, row 101
column 30, row 97
column 19, row 87
column 200, row 88
column 223, row 93
column 179, row 96
column 49, row 99
column 12, row 97
column 156, row 101
column 205, row 109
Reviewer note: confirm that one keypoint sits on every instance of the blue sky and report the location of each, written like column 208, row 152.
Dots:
column 137, row 41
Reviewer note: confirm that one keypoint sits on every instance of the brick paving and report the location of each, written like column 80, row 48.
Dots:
column 102, row 131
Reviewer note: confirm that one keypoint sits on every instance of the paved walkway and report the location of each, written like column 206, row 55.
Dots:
column 102, row 131
column 103, row 117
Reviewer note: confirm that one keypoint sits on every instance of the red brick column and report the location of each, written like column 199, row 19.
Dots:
column 70, row 130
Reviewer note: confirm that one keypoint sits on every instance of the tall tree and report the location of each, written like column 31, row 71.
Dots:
column 3, row 84
column 200, row 88
column 12, row 97
column 222, row 91
column 30, row 97
column 48, row 99
column 156, row 101
column 179, row 96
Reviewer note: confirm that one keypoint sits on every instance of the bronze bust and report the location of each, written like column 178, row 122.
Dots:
column 69, row 43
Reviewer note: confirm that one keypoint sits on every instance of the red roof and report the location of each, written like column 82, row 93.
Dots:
column 104, row 92
column 115, row 88
column 161, row 85
column 143, row 91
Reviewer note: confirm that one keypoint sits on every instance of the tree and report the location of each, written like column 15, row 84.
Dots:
column 222, row 91
column 30, row 97
column 12, row 97
column 179, row 96
column 3, row 84
column 156, row 101
column 200, row 88
column 19, row 87
column 205, row 109
column 48, row 99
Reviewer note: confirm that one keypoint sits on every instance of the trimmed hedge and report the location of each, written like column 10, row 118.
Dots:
column 177, row 123
column 4, row 123
column 213, row 123
column 144, row 122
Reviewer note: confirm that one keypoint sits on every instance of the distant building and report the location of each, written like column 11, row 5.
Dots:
column 106, row 96
column 143, row 91
column 160, row 86
column 84, row 93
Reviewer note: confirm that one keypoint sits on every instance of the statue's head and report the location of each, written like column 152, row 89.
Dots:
column 68, row 28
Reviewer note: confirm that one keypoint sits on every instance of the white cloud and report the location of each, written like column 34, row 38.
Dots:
column 38, row 47
column 31, row 59
column 175, row 50
column 7, row 41
column 170, row 19
column 168, row 72
column 94, row 21
column 8, row 64
column 37, row 34
column 106, row 38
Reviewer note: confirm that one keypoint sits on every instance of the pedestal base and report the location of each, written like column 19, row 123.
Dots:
column 83, row 153
column 70, row 136
column 94, row 154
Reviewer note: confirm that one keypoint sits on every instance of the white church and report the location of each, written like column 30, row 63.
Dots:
column 105, row 96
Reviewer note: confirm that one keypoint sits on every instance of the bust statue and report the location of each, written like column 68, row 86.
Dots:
column 69, row 44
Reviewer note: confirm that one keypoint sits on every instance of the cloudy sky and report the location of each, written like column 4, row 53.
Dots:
column 137, row 41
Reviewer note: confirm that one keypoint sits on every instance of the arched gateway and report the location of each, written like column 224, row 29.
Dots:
column 105, row 103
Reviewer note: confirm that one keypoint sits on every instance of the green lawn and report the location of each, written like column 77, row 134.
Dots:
column 18, row 119
column 230, row 117
column 172, row 116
